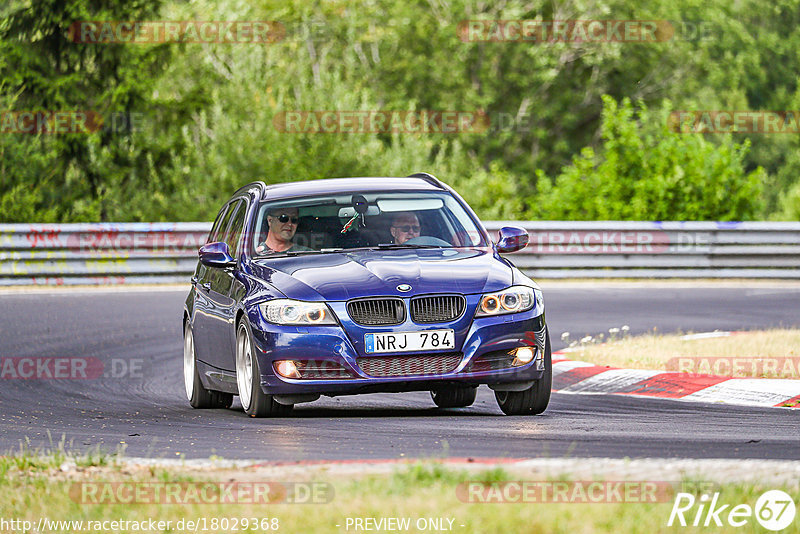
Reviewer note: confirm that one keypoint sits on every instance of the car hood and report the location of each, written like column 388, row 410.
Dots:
column 342, row 276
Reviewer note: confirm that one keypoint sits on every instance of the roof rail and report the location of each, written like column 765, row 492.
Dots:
column 261, row 186
column 431, row 179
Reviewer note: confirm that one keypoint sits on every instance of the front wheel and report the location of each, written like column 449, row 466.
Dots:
column 535, row 399
column 255, row 402
column 454, row 397
column 196, row 393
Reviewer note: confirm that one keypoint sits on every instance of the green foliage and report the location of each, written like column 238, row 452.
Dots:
column 790, row 205
column 75, row 176
column 643, row 171
column 28, row 458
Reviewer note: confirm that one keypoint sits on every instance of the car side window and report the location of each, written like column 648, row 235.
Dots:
column 218, row 227
column 234, row 234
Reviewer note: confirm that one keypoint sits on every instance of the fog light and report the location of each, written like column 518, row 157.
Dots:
column 523, row 355
column 287, row 369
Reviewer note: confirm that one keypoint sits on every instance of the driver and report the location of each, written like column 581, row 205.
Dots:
column 405, row 226
column 282, row 224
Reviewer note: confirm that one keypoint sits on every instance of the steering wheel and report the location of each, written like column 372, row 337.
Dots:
column 428, row 240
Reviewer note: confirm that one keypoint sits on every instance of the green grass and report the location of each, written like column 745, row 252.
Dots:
column 773, row 353
column 26, row 457
column 34, row 487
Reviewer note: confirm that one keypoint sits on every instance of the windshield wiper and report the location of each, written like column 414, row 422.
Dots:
column 381, row 246
column 300, row 252
column 320, row 251
column 404, row 245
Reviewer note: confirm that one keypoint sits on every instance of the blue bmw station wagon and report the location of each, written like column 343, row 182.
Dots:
column 361, row 285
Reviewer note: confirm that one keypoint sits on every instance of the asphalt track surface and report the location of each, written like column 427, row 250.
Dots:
column 146, row 412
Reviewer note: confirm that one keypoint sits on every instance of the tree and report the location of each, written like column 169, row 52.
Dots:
column 80, row 176
column 644, row 171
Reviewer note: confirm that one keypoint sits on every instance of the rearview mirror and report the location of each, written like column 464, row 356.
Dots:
column 349, row 212
column 512, row 239
column 216, row 255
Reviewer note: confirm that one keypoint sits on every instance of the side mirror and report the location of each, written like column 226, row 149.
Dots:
column 512, row 239
column 216, row 255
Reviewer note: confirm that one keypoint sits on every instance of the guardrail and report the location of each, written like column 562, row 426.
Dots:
column 113, row 253
column 130, row 253
column 634, row 249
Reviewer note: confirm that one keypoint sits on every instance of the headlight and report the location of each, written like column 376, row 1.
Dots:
column 512, row 300
column 295, row 312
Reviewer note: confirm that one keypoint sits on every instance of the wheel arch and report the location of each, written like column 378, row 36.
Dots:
column 239, row 314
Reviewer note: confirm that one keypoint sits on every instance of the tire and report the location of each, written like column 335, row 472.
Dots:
column 198, row 396
column 454, row 397
column 535, row 399
column 255, row 402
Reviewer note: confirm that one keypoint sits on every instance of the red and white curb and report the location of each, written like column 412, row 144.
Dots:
column 585, row 378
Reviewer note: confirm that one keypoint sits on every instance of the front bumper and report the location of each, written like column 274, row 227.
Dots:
column 479, row 338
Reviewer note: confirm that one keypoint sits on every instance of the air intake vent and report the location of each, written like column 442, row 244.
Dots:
column 493, row 361
column 437, row 309
column 321, row 370
column 377, row 312
column 421, row 365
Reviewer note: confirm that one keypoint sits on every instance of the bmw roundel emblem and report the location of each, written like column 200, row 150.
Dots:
column 404, row 287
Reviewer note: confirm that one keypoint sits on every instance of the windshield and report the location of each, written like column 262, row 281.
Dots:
column 329, row 223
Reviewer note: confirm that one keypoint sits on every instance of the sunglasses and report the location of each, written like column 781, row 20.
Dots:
column 285, row 218
column 408, row 228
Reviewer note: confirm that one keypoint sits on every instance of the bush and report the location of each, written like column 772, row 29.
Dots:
column 644, row 171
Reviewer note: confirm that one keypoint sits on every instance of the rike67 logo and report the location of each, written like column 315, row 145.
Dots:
column 774, row 510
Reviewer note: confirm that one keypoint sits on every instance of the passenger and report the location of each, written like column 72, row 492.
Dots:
column 282, row 224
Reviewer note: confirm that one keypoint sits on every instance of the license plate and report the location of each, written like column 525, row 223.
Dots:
column 410, row 341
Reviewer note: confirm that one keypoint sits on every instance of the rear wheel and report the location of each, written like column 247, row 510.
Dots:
column 255, row 402
column 533, row 400
column 196, row 393
column 454, row 397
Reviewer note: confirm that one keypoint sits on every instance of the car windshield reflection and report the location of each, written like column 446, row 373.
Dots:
column 353, row 221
